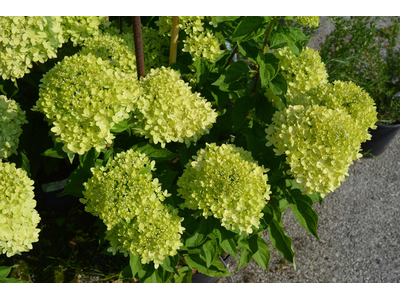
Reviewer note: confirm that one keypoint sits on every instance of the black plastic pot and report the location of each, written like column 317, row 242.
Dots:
column 381, row 138
column 202, row 278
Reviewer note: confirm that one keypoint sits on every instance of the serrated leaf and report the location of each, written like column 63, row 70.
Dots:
column 246, row 26
column 262, row 255
column 88, row 160
column 185, row 275
column 301, row 206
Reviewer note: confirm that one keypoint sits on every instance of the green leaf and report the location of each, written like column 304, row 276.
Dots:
column 246, row 26
column 262, row 255
column 5, row 271
column 269, row 67
column 74, row 185
column 145, row 170
column 316, row 198
column 71, row 157
column 278, row 85
column 217, row 269
column 235, row 71
column 241, row 108
column 202, row 71
column 25, row 163
column 200, row 235
column 55, row 152
column 135, row 264
column 281, row 242
column 169, row 263
column 249, row 50
column 209, row 252
column 185, row 275
column 220, row 97
column 245, row 257
column 121, row 126
column 8, row 88
column 154, row 151
column 301, row 206
column 88, row 160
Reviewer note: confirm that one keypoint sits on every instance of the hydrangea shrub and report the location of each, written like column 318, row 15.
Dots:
column 186, row 164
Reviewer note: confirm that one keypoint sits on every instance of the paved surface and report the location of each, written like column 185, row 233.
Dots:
column 359, row 226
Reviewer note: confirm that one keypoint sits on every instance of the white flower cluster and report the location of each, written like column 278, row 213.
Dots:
column 18, row 218
column 127, row 199
column 225, row 181
column 12, row 117
column 168, row 111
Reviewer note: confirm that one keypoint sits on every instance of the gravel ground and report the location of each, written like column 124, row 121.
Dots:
column 359, row 226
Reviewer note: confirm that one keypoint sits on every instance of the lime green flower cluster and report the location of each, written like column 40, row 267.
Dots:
column 155, row 45
column 24, row 40
column 11, row 119
column 124, row 195
column 309, row 21
column 168, row 110
column 320, row 144
column 204, row 44
column 301, row 73
column 79, row 28
column 109, row 47
column 225, row 181
column 199, row 42
column 83, row 97
column 18, row 218
column 347, row 96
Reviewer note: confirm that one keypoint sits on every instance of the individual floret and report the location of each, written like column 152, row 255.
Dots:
column 225, row 181
column 24, row 40
column 12, row 117
column 168, row 110
column 320, row 144
column 18, row 218
column 129, row 201
column 301, row 73
column 189, row 24
column 347, row 96
column 83, row 97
